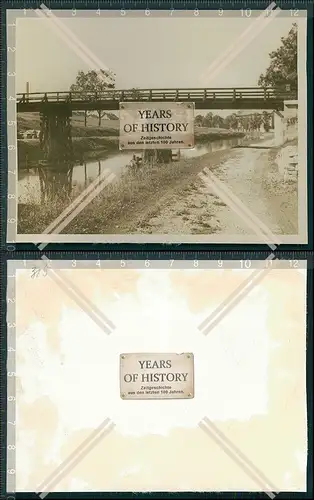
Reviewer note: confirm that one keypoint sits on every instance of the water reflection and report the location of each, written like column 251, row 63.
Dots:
column 39, row 184
column 210, row 147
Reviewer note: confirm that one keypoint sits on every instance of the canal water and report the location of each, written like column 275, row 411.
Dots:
column 36, row 183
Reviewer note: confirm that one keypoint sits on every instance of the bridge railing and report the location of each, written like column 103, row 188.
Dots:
column 159, row 94
column 42, row 97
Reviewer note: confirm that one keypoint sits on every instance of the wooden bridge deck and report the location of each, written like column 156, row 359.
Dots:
column 228, row 98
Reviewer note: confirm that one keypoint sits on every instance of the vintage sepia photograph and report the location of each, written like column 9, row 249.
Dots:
column 159, row 128
column 242, row 427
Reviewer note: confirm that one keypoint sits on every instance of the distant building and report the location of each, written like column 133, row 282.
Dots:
column 31, row 134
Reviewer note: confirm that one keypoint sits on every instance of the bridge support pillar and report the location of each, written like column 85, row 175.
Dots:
column 157, row 155
column 55, row 133
column 291, row 115
column 280, row 128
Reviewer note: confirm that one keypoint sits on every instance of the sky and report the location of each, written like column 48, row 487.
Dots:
column 145, row 52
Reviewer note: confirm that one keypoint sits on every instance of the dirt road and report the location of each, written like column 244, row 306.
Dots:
column 172, row 199
column 252, row 175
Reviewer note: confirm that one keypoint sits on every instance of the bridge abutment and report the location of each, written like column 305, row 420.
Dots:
column 280, row 128
column 55, row 133
column 281, row 121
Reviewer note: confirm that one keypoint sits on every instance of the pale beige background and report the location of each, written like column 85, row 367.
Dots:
column 249, row 379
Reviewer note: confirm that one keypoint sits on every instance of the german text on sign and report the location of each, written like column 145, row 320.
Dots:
column 157, row 376
column 156, row 125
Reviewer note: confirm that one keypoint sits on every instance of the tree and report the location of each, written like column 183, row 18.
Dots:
column 218, row 121
column 266, row 121
column 256, row 121
column 135, row 93
column 198, row 120
column 208, row 120
column 245, row 122
column 283, row 69
column 91, row 82
column 228, row 122
column 231, row 121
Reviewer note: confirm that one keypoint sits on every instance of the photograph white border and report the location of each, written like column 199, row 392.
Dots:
column 14, row 266
column 13, row 16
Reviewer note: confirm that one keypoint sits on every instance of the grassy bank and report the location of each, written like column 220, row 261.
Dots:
column 30, row 121
column 94, row 141
column 83, row 148
column 121, row 205
column 88, row 142
column 204, row 134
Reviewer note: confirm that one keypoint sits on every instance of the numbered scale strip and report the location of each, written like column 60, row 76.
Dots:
column 154, row 5
column 162, row 260
column 11, row 382
column 162, row 9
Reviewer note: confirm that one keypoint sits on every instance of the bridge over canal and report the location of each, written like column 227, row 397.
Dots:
column 56, row 108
